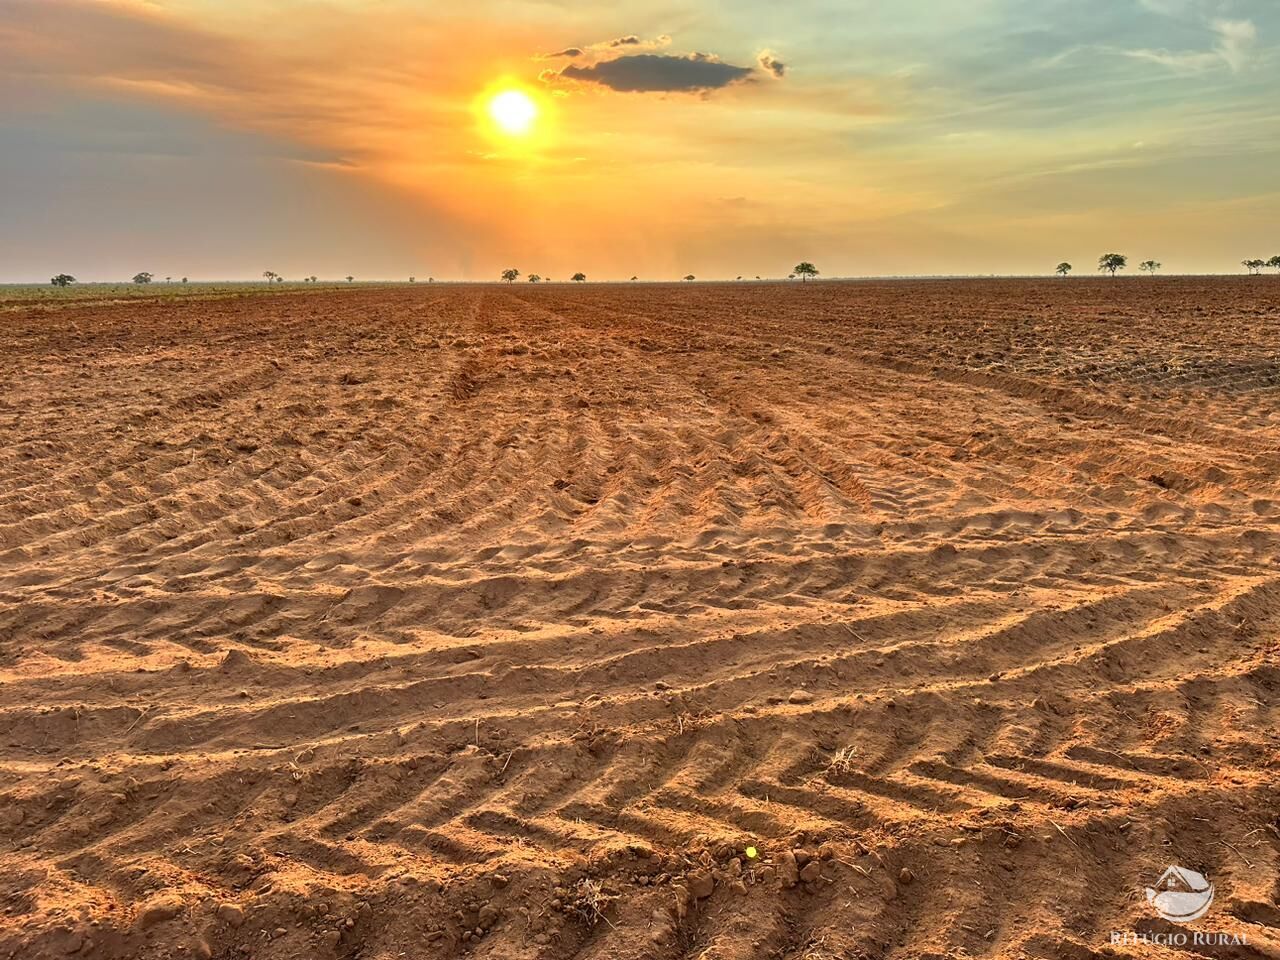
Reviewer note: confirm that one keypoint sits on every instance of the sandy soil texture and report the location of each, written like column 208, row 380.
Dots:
column 501, row 621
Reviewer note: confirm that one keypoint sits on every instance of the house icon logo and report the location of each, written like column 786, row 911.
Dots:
column 1181, row 895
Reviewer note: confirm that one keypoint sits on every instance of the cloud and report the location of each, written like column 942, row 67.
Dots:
column 771, row 64
column 1235, row 41
column 654, row 73
column 84, row 42
column 630, row 43
column 1170, row 8
column 1234, row 48
column 630, row 64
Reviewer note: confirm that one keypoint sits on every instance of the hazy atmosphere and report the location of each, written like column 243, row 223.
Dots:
column 218, row 139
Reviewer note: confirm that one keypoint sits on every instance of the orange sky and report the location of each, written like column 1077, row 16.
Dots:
column 201, row 138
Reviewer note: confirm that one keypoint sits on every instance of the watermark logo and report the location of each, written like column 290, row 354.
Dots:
column 1181, row 895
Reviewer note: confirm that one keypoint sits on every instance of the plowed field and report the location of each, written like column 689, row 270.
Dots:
column 501, row 621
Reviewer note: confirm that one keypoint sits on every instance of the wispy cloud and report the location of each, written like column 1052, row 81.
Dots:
column 1233, row 48
column 1172, row 8
column 631, row 43
column 634, row 42
column 566, row 53
column 1236, row 41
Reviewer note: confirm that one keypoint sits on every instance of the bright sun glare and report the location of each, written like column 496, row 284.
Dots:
column 514, row 112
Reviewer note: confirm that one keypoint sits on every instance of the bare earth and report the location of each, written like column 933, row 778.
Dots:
column 501, row 621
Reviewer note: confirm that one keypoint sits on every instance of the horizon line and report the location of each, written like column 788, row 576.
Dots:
column 342, row 281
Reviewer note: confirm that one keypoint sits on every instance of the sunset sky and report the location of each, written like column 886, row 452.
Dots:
column 219, row 138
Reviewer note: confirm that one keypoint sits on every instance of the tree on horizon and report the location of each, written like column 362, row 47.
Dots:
column 1274, row 262
column 143, row 277
column 690, row 277
column 579, row 278
column 62, row 280
column 1253, row 266
column 1111, row 262
column 804, row 269
column 1063, row 269
column 270, row 275
column 1150, row 266
column 534, row 278
column 350, row 279
column 511, row 275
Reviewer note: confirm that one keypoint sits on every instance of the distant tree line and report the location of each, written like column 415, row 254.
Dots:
column 1112, row 263
column 805, row 270
column 1109, row 263
column 1255, row 266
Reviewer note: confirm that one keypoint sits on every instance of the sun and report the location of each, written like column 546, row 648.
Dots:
column 514, row 112
column 518, row 120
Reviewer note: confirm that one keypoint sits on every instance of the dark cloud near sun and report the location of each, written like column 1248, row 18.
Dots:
column 634, row 64
column 654, row 73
